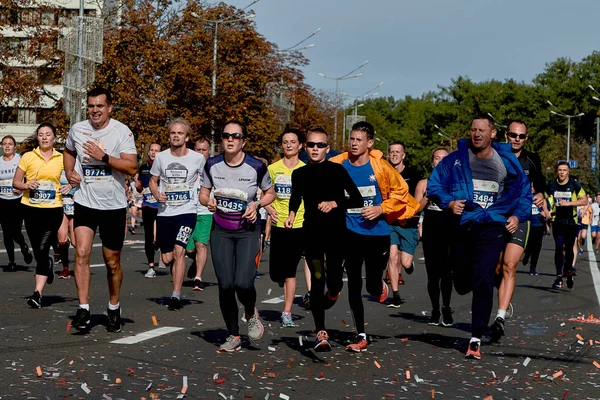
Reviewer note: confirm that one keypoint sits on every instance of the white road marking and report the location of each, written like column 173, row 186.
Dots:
column 276, row 300
column 593, row 265
column 165, row 330
column 97, row 265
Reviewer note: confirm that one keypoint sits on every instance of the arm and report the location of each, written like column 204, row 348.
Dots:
column 126, row 163
column 420, row 194
column 297, row 191
column 18, row 181
column 399, row 201
column 522, row 209
column 153, row 184
column 69, row 157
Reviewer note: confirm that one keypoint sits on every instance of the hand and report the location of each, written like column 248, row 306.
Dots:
column 74, row 178
column 92, row 150
column 34, row 184
column 546, row 214
column 65, row 189
column 327, row 206
column 512, row 223
column 371, row 212
column 289, row 222
column 273, row 213
column 251, row 213
column 538, row 200
column 162, row 198
column 564, row 202
column 457, row 206
column 212, row 205
column 16, row 191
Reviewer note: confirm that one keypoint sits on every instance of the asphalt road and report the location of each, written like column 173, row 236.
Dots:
column 544, row 356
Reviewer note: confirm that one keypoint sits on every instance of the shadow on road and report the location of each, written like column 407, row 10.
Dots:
column 51, row 300
column 164, row 301
column 275, row 316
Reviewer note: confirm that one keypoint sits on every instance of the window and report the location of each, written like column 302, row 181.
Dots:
column 26, row 116
column 48, row 18
column 8, row 116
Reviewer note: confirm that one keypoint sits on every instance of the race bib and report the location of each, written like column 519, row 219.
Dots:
column 44, row 194
column 558, row 196
column 6, row 187
column 68, row 206
column 96, row 173
column 148, row 196
column 368, row 194
column 231, row 200
column 485, row 193
column 177, row 194
column 535, row 210
column 283, row 187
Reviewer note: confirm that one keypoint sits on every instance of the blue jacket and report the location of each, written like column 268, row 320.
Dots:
column 452, row 180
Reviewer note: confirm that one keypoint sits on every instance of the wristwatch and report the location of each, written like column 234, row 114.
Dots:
column 105, row 158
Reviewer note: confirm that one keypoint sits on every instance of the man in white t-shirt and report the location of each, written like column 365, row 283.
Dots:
column 595, row 228
column 175, row 176
column 105, row 149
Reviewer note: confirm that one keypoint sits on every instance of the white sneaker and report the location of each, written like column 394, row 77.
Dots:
column 151, row 273
column 161, row 265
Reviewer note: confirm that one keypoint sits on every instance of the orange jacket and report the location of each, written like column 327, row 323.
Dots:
column 398, row 205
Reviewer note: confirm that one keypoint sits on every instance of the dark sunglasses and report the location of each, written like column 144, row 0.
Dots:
column 320, row 145
column 514, row 135
column 226, row 135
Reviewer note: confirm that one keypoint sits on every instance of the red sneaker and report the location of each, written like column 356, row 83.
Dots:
column 360, row 344
column 384, row 293
column 474, row 351
column 65, row 273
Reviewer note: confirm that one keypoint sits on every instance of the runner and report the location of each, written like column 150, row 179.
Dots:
column 149, row 208
column 66, row 231
column 596, row 223
column 106, row 154
column 537, row 230
column 565, row 194
column 436, row 249
column 404, row 234
column 385, row 198
column 516, row 241
column 484, row 185
column 135, row 208
column 585, row 215
column 38, row 176
column 235, row 238
column 177, row 171
column 197, row 248
column 322, row 185
column 287, row 245
column 11, row 217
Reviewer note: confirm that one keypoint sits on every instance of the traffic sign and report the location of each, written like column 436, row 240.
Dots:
column 593, row 157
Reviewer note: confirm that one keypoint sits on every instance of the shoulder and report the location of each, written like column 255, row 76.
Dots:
column 119, row 126
column 255, row 163
column 211, row 162
column 276, row 166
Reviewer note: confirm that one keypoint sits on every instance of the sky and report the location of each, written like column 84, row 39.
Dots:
column 414, row 46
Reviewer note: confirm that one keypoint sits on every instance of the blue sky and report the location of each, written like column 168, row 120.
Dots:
column 416, row 45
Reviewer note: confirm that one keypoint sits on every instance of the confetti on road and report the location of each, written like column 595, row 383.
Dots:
column 578, row 336
column 85, row 388
column 284, row 396
column 596, row 364
column 377, row 364
column 69, row 325
column 526, row 362
column 154, row 321
column 557, row 374
column 38, row 370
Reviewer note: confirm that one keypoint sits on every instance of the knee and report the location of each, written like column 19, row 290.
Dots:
column 509, row 269
column 113, row 265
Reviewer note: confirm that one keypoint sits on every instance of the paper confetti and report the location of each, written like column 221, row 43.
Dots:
column 222, row 395
column 578, row 336
column 69, row 325
column 526, row 362
column 284, row 396
column 271, row 348
column 596, row 364
column 118, row 380
column 85, row 388
column 557, row 374
column 300, row 340
column 376, row 364
column 38, row 371
column 154, row 321
column 407, row 375
column 433, row 393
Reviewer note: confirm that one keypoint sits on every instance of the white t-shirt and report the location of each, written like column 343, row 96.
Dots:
column 7, row 173
column 595, row 213
column 101, row 188
column 179, row 179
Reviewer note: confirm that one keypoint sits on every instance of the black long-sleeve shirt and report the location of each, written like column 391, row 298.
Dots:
column 326, row 181
column 533, row 169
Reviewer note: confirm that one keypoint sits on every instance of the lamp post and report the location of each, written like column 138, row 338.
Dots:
column 215, row 51
column 295, row 47
column 568, row 117
column 596, row 98
column 337, row 101
column 443, row 134
column 364, row 96
column 496, row 122
column 387, row 142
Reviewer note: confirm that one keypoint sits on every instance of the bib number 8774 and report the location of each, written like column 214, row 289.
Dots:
column 94, row 172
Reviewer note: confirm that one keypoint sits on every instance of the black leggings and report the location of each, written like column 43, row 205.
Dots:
column 41, row 225
column 436, row 249
column 534, row 244
column 234, row 256
column 375, row 252
column 564, row 239
column 149, row 217
column 11, row 220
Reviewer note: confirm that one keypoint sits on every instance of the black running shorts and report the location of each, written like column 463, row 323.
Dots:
column 110, row 224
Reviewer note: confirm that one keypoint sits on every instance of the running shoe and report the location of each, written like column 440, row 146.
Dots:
column 35, row 301
column 161, row 265
column 266, row 244
column 114, row 320
column 306, row 301
column 570, row 281
column 151, row 273
column 257, row 275
column 410, row 269
column 56, row 258
column 329, row 300
column 255, row 326
column 395, row 302
column 65, row 273
column 447, row 319
column 51, row 276
column 131, row 230
column 11, row 267
column 174, row 304
column 574, row 271
column 322, row 342
column 474, row 351
column 580, row 252
column 359, row 344
column 231, row 345
column 558, row 284
column 82, row 319
column 435, row 317
column 27, row 256
column 533, row 272
column 400, row 279
column 510, row 311
column 497, row 329
column 191, row 274
column 198, row 284
column 286, row 320
column 384, row 293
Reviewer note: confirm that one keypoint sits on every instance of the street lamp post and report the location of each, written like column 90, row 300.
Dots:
column 364, row 96
column 496, row 122
column 568, row 117
column 444, row 135
column 596, row 98
column 337, row 101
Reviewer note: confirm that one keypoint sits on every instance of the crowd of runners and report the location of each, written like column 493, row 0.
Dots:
column 485, row 208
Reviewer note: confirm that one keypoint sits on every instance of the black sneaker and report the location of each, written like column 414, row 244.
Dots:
column 191, row 274
column 306, row 301
column 11, row 267
column 533, row 272
column 410, row 269
column 497, row 329
column 198, row 284
column 131, row 230
column 35, row 301
column 27, row 256
column 82, row 320
column 435, row 317
column 395, row 302
column 447, row 319
column 570, row 281
column 558, row 284
column 574, row 271
column 51, row 276
column 114, row 320
column 174, row 304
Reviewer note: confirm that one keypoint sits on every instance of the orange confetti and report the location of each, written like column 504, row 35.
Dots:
column 407, row 375
column 405, row 339
column 69, row 325
column 38, row 370
column 154, row 321
column 118, row 380
column 433, row 393
column 344, row 322
column 253, row 367
column 184, row 389
column 376, row 364
column 271, row 374
column 71, row 362
column 591, row 342
column 596, row 364
column 578, row 336
column 557, row 374
column 488, row 398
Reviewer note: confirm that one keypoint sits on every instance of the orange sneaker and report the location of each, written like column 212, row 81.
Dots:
column 384, row 293
column 474, row 351
column 322, row 342
column 360, row 344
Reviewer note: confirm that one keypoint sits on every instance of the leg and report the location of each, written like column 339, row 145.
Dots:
column 307, row 275
column 534, row 244
column 247, row 247
column 201, row 258
column 149, row 217
column 512, row 255
column 84, row 237
column 178, row 256
column 569, row 238
column 222, row 246
column 392, row 266
column 559, row 243
column 63, row 242
column 114, row 273
column 357, row 245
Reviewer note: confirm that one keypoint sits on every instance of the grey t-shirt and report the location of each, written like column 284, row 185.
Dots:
column 488, row 178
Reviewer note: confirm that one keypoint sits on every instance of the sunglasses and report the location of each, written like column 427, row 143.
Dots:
column 514, row 135
column 226, row 135
column 320, row 145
